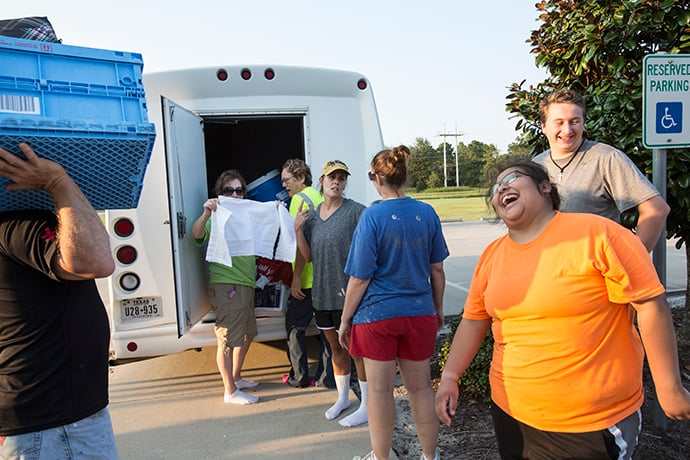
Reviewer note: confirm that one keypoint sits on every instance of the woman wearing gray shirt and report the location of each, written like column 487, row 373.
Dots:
column 324, row 235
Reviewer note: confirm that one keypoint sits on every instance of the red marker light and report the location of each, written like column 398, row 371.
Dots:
column 362, row 84
column 269, row 74
column 246, row 74
column 123, row 228
column 126, row 255
column 222, row 74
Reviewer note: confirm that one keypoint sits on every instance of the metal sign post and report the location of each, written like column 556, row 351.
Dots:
column 659, row 258
column 659, row 179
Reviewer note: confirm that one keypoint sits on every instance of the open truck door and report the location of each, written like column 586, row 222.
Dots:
column 184, row 147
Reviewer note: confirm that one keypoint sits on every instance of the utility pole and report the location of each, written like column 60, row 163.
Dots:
column 444, row 134
column 445, row 166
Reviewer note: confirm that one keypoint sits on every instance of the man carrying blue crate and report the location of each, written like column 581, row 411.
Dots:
column 54, row 333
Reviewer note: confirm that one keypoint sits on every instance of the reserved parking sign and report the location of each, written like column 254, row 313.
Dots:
column 666, row 101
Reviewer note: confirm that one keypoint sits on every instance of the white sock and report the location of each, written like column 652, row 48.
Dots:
column 240, row 397
column 369, row 456
column 360, row 416
column 243, row 384
column 437, row 454
column 342, row 383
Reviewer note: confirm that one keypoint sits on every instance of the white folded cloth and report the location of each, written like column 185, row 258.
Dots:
column 247, row 227
column 217, row 249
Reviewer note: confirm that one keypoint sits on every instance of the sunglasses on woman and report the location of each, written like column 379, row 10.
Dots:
column 228, row 191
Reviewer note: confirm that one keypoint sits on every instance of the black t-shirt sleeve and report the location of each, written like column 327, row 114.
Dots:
column 29, row 239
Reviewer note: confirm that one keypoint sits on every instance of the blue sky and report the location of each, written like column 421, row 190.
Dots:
column 433, row 65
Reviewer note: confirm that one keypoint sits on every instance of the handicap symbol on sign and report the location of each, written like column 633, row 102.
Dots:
column 669, row 117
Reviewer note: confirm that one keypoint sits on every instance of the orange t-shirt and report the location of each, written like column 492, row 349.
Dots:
column 567, row 357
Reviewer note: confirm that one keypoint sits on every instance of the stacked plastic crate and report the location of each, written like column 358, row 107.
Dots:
column 84, row 108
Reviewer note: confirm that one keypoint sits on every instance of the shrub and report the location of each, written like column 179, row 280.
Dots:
column 475, row 380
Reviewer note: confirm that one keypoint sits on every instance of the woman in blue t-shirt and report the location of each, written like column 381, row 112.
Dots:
column 394, row 302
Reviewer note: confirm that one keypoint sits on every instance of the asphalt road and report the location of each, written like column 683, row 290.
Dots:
column 467, row 240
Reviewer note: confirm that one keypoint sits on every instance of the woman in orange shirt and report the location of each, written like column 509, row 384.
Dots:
column 560, row 292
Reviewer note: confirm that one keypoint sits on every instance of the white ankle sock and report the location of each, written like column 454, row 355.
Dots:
column 243, row 384
column 342, row 383
column 437, row 455
column 240, row 397
column 360, row 416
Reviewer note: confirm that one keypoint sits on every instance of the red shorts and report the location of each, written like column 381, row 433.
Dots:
column 408, row 337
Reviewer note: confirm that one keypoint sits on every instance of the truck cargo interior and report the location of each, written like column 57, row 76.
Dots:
column 254, row 145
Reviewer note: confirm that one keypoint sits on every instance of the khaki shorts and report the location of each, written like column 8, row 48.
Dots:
column 235, row 320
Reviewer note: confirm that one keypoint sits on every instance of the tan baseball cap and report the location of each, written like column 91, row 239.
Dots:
column 334, row 165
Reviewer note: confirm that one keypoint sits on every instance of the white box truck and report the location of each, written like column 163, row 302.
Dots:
column 252, row 118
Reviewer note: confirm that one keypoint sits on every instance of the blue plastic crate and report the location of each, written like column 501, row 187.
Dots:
column 82, row 107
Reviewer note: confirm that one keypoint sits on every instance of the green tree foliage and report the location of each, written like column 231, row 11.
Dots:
column 475, row 381
column 425, row 167
column 470, row 164
column 434, row 180
column 597, row 48
column 421, row 164
column 473, row 161
column 519, row 148
column 490, row 158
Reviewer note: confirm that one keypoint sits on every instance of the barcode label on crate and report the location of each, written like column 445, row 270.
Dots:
column 19, row 104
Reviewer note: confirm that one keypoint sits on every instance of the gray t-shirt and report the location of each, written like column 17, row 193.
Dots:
column 600, row 180
column 329, row 241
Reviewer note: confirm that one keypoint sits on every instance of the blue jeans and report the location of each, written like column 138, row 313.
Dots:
column 90, row 438
column 297, row 318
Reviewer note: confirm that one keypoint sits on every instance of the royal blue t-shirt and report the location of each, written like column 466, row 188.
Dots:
column 394, row 245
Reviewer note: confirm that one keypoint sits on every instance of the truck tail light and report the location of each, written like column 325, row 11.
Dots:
column 126, row 255
column 123, row 227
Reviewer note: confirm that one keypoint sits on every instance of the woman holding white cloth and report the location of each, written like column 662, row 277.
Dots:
column 231, row 292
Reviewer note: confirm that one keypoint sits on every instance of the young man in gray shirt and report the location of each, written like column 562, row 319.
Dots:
column 593, row 177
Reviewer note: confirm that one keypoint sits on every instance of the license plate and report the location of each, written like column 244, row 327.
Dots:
column 141, row 307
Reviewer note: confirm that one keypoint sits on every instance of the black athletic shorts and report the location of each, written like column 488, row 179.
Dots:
column 517, row 440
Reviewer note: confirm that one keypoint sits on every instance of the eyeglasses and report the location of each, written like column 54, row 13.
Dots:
column 285, row 180
column 508, row 179
column 371, row 175
column 230, row 190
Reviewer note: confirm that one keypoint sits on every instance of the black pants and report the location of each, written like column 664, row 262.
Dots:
column 297, row 318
